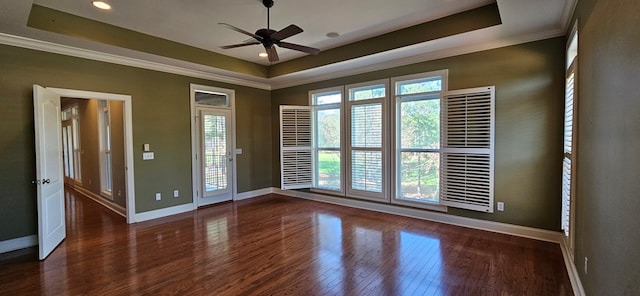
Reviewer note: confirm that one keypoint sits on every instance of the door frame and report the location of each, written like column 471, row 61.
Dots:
column 195, row 138
column 128, row 138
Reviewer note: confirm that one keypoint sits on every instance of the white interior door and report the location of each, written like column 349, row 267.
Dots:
column 49, row 175
column 216, row 156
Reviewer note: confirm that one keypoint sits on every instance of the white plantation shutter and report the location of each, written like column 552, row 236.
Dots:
column 295, row 147
column 468, row 127
column 568, row 154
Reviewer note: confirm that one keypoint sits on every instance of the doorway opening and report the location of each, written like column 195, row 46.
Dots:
column 94, row 151
column 117, row 108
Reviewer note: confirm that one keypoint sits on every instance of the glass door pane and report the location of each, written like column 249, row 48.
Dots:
column 216, row 155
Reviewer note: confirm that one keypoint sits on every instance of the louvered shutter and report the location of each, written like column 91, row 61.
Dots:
column 295, row 147
column 468, row 119
column 568, row 154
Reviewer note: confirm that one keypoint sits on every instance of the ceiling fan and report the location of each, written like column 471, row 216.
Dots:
column 269, row 38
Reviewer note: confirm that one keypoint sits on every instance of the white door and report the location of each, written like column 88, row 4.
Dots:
column 216, row 156
column 49, row 176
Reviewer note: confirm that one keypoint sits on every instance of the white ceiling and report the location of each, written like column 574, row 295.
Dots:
column 194, row 22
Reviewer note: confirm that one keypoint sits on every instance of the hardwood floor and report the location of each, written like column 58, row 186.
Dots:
column 277, row 245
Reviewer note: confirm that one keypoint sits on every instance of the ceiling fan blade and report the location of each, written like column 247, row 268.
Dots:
column 273, row 54
column 240, row 45
column 286, row 32
column 298, row 47
column 241, row 31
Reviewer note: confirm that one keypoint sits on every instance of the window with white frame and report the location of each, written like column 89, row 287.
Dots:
column 417, row 144
column 105, row 147
column 421, row 146
column 71, row 144
column 327, row 139
column 366, row 133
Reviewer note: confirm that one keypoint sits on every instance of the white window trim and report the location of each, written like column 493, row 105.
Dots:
column 77, row 153
column 104, row 191
column 435, row 206
column 384, row 195
column 74, row 125
column 314, row 149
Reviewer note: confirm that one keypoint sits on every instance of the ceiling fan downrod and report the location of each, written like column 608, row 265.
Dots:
column 268, row 4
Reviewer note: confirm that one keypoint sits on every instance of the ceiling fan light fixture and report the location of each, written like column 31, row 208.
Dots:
column 101, row 5
column 263, row 55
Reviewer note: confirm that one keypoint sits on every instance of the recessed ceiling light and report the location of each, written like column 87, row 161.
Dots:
column 332, row 34
column 101, row 5
column 263, row 55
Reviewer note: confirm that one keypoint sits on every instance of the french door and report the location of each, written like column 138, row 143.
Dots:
column 216, row 156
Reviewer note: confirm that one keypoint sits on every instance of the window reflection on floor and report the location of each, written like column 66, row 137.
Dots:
column 353, row 259
column 420, row 263
column 330, row 270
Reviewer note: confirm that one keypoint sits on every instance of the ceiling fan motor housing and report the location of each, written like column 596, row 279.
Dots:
column 267, row 3
column 266, row 37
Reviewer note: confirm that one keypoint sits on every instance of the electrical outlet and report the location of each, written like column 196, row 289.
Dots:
column 176, row 193
column 500, row 206
column 586, row 262
column 158, row 196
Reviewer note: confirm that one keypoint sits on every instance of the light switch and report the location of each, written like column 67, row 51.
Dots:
column 147, row 156
column 238, row 151
column 145, row 147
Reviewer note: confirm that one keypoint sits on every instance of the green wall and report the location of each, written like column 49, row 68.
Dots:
column 608, row 166
column 529, row 104
column 160, row 118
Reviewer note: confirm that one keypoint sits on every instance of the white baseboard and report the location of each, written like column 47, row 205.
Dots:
column 18, row 243
column 116, row 208
column 572, row 271
column 516, row 230
column 160, row 213
column 254, row 193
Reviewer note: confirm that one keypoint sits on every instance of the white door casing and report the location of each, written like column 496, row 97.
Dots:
column 197, row 108
column 49, row 174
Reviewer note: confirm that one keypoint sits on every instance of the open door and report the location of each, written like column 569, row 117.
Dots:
column 49, row 175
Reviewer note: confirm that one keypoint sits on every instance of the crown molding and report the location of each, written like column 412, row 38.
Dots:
column 346, row 68
column 567, row 14
column 40, row 45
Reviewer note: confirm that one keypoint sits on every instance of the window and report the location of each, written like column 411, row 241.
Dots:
column 568, row 160
column 105, row 148
column 417, row 120
column 327, row 140
column 366, row 134
column 405, row 140
column 211, row 99
column 71, row 144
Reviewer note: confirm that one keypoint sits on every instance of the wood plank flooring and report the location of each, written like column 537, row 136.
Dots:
column 277, row 245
